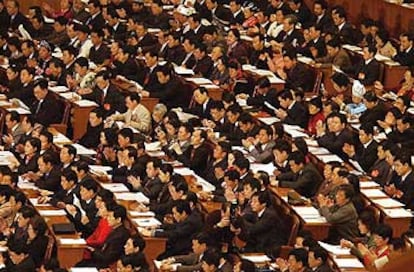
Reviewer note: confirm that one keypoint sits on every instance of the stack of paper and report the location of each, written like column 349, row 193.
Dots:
column 81, row 150
column 159, row 263
column 352, row 47
column 5, row 157
column 21, row 111
column 141, row 214
column 269, row 120
column 84, row 103
column 184, row 171
column 183, row 71
column 309, row 214
column 59, row 89
column 348, row 263
column 83, row 269
column 115, row 187
column 199, row 80
column 207, row 186
column 329, row 158
column 36, row 203
column 184, row 116
column 100, row 169
column 268, row 168
column 61, row 139
column 315, row 150
column 368, row 184
column 153, row 146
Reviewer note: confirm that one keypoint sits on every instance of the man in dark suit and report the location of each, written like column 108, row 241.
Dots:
column 197, row 30
column 158, row 18
column 204, row 64
column 289, row 35
column 83, row 212
column 45, row 104
column 321, row 18
column 118, row 30
column 266, row 232
column 180, row 235
column 301, row 11
column 146, row 41
column 375, row 109
column 202, row 103
column 336, row 135
column 259, row 54
column 16, row 17
column 199, row 153
column 189, row 60
column 292, row 112
column 149, row 74
column 296, row 74
column 218, row 163
column 317, row 260
column 405, row 55
column 264, row 95
column 304, row 178
column 175, row 52
column 66, row 195
column 99, row 52
column 20, row 260
column 57, row 71
column 345, row 30
column 369, row 69
column 96, row 20
column 50, row 179
column 316, row 46
column 237, row 49
column 403, row 134
column 113, row 246
column 402, row 188
column 364, row 153
column 95, row 126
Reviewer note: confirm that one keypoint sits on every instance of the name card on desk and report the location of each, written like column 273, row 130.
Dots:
column 388, row 203
column 52, row 212
column 374, row 193
column 72, row 241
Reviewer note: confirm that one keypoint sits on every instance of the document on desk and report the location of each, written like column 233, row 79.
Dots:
column 153, row 146
column 374, row 193
column 329, row 158
column 19, row 110
column 316, row 150
column 100, row 169
column 256, row 258
column 183, row 71
column 268, row 168
column 275, row 80
column 348, row 263
column 199, row 80
column 52, row 212
column 84, row 103
column 81, row 150
column 61, row 139
column 352, row 47
column 388, row 203
column 369, row 185
column 295, row 131
column 72, row 241
column 141, row 214
column 307, row 211
column 269, row 120
column 311, row 142
column 24, row 184
column 147, row 222
column 335, row 249
column 115, row 187
column 84, row 269
column 138, row 196
column 305, row 60
column 184, row 171
column 206, row 186
column 59, row 89
column 185, row 116
column 398, row 213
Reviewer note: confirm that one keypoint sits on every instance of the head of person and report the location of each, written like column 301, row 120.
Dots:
column 181, row 210
column 210, row 261
column 317, row 257
column 260, row 201
column 116, row 216
column 366, row 222
column 134, row 244
column 125, row 137
column 88, row 189
column 40, row 89
column 382, row 235
column 286, row 99
column 298, row 259
column 344, row 194
column 336, row 122
column 68, row 180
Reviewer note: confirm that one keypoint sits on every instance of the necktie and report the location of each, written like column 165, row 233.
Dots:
column 38, row 107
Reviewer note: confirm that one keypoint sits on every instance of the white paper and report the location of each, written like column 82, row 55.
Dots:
column 24, row 184
column 184, row 171
column 59, row 89
column 352, row 47
column 307, row 211
column 184, row 116
column 329, row 158
column 81, row 150
column 335, row 249
column 374, row 193
column 256, row 258
column 86, row 103
column 348, row 263
column 138, row 196
column 72, row 241
column 141, row 214
column 147, row 222
column 268, row 168
column 270, row 106
column 275, row 80
column 84, row 269
column 368, row 184
column 115, row 187
column 52, row 212
column 100, row 168
column 199, row 80
column 19, row 110
column 398, row 213
column 211, row 86
column 158, row 265
column 60, row 138
column 154, row 146
column 269, row 120
column 380, row 57
column 318, row 150
column 183, row 71
column 206, row 186
column 388, row 203
column 305, row 60
column 154, row 30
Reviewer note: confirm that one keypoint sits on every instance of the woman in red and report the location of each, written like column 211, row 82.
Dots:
column 378, row 255
column 103, row 200
column 316, row 115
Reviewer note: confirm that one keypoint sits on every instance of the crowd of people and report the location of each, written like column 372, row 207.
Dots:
column 90, row 45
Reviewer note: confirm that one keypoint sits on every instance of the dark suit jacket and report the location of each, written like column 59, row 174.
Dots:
column 407, row 187
column 175, row 54
column 299, row 76
column 91, row 137
column 96, row 23
column 201, row 111
column 37, row 249
column 290, row 38
column 297, row 115
column 51, row 181
column 334, row 143
column 179, row 236
column 405, row 58
column 48, row 106
column 259, row 100
column 204, row 66
column 31, row 165
column 325, row 22
column 112, row 248
column 98, row 56
column 367, row 156
column 27, row 265
column 373, row 115
column 197, row 159
column 240, row 52
column 320, row 46
column 62, row 196
column 370, row 70
column 306, row 182
column 171, row 94
column 347, row 34
column 147, row 42
column 188, row 61
column 265, row 233
column 161, row 21
column 90, row 210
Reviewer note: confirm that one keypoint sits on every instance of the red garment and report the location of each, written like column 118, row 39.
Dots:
column 98, row 237
column 382, row 252
column 313, row 120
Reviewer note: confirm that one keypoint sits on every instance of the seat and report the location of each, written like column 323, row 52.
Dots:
column 318, row 76
column 49, row 248
column 63, row 125
column 376, row 212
